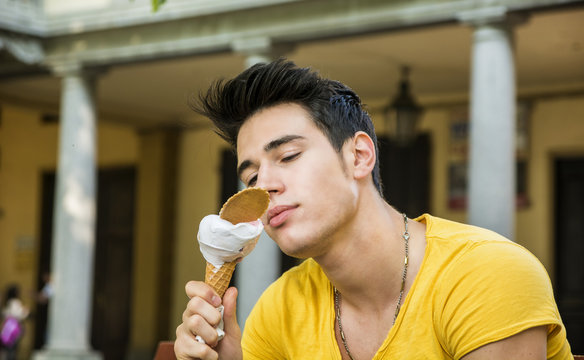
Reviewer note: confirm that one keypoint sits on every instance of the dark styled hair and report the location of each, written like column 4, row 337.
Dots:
column 334, row 107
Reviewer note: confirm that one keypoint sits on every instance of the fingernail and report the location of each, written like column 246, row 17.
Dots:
column 216, row 300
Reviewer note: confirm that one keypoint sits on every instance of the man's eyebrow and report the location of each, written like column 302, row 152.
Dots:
column 269, row 147
column 281, row 141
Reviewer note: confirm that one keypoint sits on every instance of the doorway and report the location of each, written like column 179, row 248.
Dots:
column 110, row 331
column 569, row 247
column 405, row 174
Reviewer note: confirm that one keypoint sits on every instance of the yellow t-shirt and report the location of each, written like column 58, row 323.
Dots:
column 474, row 287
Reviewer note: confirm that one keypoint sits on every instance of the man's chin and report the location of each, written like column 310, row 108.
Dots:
column 290, row 245
column 295, row 250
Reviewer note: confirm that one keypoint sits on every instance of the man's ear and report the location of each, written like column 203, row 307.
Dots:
column 364, row 155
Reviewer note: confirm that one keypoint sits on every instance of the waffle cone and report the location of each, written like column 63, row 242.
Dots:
column 245, row 206
column 219, row 278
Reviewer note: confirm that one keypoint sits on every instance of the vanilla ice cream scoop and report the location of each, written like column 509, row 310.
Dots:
column 222, row 242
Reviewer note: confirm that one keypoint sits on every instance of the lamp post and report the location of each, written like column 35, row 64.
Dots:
column 402, row 114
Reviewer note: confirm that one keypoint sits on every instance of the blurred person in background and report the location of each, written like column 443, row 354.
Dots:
column 13, row 314
column 43, row 297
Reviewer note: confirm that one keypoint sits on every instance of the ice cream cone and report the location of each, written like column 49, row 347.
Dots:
column 219, row 278
column 245, row 206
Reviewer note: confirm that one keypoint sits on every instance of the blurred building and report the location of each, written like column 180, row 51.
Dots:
column 105, row 172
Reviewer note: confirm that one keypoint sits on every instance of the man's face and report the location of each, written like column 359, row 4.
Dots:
column 312, row 194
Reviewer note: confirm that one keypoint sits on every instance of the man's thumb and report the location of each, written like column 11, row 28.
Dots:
column 229, row 314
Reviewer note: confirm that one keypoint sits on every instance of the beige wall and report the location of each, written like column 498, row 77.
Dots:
column 154, row 241
column 147, row 244
column 557, row 130
column 28, row 148
column 199, row 189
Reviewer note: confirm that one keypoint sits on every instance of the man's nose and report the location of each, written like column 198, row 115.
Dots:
column 270, row 180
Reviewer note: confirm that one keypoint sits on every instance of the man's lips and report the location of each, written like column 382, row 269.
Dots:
column 278, row 214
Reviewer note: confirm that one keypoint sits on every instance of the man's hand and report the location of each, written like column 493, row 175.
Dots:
column 200, row 318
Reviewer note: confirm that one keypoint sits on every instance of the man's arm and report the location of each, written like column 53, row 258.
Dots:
column 530, row 344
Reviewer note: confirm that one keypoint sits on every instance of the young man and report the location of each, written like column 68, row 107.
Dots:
column 375, row 285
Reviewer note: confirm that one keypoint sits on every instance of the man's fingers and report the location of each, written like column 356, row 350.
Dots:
column 201, row 315
column 187, row 348
column 198, row 326
column 198, row 306
column 204, row 291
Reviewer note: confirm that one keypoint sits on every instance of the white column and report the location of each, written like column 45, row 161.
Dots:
column 491, row 194
column 262, row 267
column 74, row 221
column 256, row 50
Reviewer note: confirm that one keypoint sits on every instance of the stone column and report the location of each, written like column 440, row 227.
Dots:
column 491, row 194
column 257, row 50
column 262, row 267
column 74, row 220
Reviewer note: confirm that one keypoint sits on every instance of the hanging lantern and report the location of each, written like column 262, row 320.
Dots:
column 402, row 114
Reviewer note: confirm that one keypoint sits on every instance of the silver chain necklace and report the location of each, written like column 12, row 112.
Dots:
column 406, row 237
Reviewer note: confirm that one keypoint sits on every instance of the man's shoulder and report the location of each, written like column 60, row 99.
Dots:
column 500, row 260
column 460, row 252
column 484, row 287
column 470, row 259
column 457, row 241
column 443, row 229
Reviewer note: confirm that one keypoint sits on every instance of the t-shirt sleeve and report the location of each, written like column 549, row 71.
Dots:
column 490, row 292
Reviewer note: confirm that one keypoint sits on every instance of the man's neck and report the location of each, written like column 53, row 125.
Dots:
column 366, row 259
